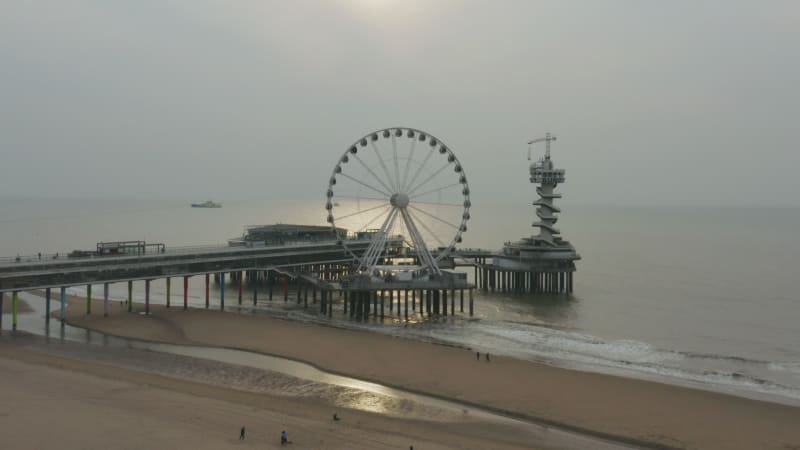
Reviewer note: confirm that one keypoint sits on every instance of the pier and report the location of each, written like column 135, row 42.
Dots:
column 315, row 271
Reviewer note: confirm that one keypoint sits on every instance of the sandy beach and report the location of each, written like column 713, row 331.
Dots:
column 638, row 412
column 22, row 306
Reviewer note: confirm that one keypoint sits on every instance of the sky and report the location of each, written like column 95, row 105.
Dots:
column 653, row 102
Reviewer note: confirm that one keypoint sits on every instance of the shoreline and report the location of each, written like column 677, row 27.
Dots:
column 627, row 410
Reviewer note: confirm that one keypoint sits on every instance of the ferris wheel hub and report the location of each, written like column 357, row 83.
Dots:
column 399, row 200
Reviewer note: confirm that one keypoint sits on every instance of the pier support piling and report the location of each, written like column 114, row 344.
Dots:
column 147, row 297
column 169, row 291
column 46, row 306
column 88, row 299
column 14, row 309
column 105, row 300
column 185, row 293
column 130, row 295
column 254, row 280
column 222, row 291
column 241, row 281
column 207, row 291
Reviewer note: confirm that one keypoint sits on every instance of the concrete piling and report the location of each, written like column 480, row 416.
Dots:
column 63, row 314
column 222, row 291
column 147, row 296
column 14, row 309
column 46, row 307
column 185, row 293
column 208, row 302
column 105, row 300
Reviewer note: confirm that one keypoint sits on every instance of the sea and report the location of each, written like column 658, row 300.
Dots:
column 698, row 296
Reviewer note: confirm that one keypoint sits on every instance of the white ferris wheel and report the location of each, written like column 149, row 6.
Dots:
column 399, row 183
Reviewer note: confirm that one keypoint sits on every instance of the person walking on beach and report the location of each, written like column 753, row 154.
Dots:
column 487, row 357
column 284, row 437
column 241, row 434
column 477, row 356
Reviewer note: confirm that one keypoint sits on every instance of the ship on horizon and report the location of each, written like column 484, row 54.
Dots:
column 207, row 204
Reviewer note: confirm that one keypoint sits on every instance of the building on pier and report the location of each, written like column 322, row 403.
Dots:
column 543, row 262
column 283, row 233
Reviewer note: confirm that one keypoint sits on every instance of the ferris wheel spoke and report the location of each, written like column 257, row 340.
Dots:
column 433, row 190
column 396, row 166
column 356, row 197
column 411, row 191
column 377, row 245
column 371, row 221
column 361, row 212
column 433, row 216
column 460, row 205
column 366, row 185
column 419, row 170
column 374, row 175
column 408, row 162
column 419, row 244
column 383, row 165
column 422, row 224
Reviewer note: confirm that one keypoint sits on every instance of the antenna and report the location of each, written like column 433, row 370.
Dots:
column 547, row 138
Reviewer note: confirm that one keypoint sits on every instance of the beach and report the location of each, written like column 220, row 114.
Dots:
column 638, row 412
column 55, row 402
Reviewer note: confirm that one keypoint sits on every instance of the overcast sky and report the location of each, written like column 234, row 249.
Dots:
column 653, row 102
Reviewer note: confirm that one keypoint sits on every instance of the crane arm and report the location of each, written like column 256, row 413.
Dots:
column 547, row 138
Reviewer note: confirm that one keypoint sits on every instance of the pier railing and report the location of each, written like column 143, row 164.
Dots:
column 47, row 258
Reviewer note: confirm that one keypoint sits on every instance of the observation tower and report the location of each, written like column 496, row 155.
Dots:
column 543, row 262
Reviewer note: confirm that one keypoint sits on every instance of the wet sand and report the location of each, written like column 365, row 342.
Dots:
column 640, row 412
column 55, row 402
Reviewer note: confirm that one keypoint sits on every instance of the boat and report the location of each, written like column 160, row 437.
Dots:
column 207, row 204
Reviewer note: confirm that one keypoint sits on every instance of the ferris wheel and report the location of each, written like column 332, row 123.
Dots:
column 399, row 183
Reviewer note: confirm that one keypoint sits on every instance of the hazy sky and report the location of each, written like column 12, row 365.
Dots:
column 653, row 101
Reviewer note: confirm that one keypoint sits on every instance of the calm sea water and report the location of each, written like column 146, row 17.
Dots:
column 689, row 295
